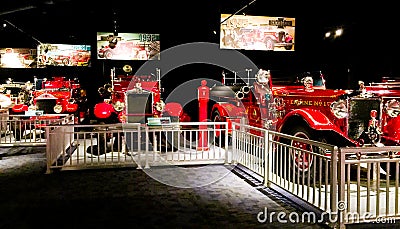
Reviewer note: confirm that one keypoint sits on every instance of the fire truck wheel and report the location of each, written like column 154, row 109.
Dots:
column 108, row 54
column 269, row 44
column 299, row 164
column 389, row 170
column 219, row 135
column 288, row 47
column 65, row 61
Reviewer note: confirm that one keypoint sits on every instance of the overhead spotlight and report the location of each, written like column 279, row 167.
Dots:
column 338, row 32
column 4, row 25
column 327, row 34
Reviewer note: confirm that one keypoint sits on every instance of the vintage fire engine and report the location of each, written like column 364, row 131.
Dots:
column 366, row 116
column 134, row 99
column 56, row 96
column 18, row 92
column 131, row 98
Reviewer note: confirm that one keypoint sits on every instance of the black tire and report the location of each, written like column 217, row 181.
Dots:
column 299, row 165
column 65, row 61
column 108, row 54
column 289, row 47
column 220, row 136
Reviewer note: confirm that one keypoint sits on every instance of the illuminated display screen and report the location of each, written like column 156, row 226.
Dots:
column 128, row 46
column 17, row 58
column 63, row 55
column 257, row 33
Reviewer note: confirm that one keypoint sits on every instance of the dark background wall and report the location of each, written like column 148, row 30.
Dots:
column 366, row 51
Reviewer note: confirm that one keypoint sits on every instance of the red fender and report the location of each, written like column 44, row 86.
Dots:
column 173, row 109
column 71, row 107
column 392, row 129
column 229, row 110
column 315, row 119
column 18, row 108
column 103, row 110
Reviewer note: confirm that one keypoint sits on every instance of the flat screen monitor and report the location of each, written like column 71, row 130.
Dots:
column 257, row 33
column 128, row 46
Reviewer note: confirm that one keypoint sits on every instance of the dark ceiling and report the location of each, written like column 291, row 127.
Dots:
column 77, row 21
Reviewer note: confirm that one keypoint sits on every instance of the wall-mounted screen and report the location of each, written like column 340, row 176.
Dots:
column 17, row 58
column 63, row 55
column 257, row 33
column 128, row 46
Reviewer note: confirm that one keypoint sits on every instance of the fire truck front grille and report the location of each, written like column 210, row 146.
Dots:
column 46, row 105
column 359, row 114
column 139, row 106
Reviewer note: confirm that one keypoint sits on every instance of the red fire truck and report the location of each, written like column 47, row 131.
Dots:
column 131, row 98
column 305, row 108
column 134, row 99
column 56, row 96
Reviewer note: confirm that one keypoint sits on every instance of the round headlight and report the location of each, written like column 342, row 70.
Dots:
column 339, row 109
column 57, row 108
column 119, row 106
column 160, row 106
column 392, row 108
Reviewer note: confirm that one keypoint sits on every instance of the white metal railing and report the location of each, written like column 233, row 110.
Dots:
column 344, row 185
column 134, row 144
column 271, row 155
column 28, row 130
column 369, row 184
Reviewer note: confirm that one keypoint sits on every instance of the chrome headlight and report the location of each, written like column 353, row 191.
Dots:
column 339, row 109
column 392, row 108
column 160, row 106
column 57, row 108
column 119, row 106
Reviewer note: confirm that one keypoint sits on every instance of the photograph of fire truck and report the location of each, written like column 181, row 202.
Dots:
column 63, row 55
column 128, row 46
column 17, row 58
column 360, row 117
column 257, row 33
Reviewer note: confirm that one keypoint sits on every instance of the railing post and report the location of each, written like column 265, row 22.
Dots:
column 334, row 180
column 226, row 146
column 147, row 146
column 341, row 188
column 267, row 157
column 234, row 136
column 48, row 147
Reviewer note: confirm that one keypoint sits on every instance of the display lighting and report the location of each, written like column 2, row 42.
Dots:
column 338, row 32
column 334, row 33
